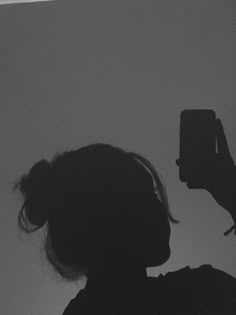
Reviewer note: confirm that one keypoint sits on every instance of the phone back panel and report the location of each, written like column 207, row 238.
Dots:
column 197, row 143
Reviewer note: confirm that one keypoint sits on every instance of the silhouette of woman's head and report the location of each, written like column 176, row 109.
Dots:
column 100, row 205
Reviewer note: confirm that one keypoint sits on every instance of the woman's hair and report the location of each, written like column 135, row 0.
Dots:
column 83, row 198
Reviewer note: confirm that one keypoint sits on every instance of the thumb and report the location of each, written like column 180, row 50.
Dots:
column 190, row 185
column 193, row 185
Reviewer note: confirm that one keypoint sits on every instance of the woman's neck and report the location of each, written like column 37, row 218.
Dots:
column 116, row 279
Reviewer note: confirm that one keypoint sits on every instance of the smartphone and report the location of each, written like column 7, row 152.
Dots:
column 197, row 144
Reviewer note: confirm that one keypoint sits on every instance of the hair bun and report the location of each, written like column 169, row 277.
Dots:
column 37, row 192
column 39, row 171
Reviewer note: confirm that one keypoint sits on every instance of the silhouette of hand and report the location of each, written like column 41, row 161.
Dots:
column 221, row 176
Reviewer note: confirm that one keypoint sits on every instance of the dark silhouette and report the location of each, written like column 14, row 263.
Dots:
column 107, row 217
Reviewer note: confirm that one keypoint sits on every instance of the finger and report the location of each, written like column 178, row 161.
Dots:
column 178, row 162
column 190, row 185
column 222, row 144
column 194, row 186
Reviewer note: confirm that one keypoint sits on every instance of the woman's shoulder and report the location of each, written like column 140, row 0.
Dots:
column 187, row 275
column 178, row 292
column 200, row 279
column 199, row 275
column 196, row 288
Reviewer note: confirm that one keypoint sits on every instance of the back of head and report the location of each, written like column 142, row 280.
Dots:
column 89, row 201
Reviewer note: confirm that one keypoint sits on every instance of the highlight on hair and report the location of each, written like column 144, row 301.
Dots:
column 76, row 197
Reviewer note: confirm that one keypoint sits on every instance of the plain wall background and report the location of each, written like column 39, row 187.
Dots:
column 74, row 72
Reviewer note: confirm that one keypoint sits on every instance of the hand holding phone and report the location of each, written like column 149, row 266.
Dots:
column 200, row 165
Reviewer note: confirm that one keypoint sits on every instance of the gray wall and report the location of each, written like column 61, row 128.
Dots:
column 73, row 72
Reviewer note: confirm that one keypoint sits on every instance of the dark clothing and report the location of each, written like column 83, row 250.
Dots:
column 198, row 291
